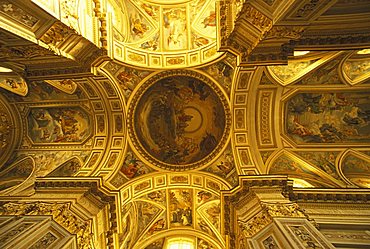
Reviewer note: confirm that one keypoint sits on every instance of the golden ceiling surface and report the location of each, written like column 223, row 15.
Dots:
column 179, row 120
column 132, row 123
column 163, row 34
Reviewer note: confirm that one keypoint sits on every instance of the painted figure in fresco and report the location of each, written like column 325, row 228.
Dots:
column 204, row 226
column 168, row 120
column 180, row 208
column 138, row 28
column 202, row 244
column 175, row 25
column 68, row 168
column 329, row 117
column 132, row 167
column 149, row 9
column 58, row 125
column 146, row 213
column 224, row 165
column 199, row 41
column 151, row 44
column 210, row 20
column 157, row 226
column 203, row 196
column 157, row 196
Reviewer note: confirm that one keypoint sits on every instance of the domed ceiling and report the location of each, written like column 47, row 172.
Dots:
column 179, row 121
column 158, row 33
column 165, row 125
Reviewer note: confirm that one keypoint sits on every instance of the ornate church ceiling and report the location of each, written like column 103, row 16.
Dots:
column 162, row 34
column 163, row 122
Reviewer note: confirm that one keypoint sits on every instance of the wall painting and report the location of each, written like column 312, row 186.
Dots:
column 328, row 117
column 179, row 120
column 58, row 125
column 181, row 207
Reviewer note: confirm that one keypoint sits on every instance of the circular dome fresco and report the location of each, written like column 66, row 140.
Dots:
column 180, row 121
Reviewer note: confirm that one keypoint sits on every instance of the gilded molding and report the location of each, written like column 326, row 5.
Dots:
column 8, row 8
column 26, row 52
column 282, row 209
column 255, row 224
column 61, row 214
column 8, row 133
column 335, row 195
column 354, row 41
column 56, row 34
column 285, row 32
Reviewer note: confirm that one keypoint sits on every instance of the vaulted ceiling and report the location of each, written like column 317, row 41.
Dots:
column 167, row 103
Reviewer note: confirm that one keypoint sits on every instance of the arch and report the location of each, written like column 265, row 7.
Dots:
column 16, row 174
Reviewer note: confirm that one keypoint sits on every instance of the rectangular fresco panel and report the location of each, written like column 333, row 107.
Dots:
column 174, row 29
column 58, row 125
column 181, row 206
column 329, row 117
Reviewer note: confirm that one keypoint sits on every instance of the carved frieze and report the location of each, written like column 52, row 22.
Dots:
column 305, row 237
column 264, row 120
column 255, row 224
column 284, row 32
column 61, row 214
column 56, row 34
column 270, row 243
column 15, row 12
column 282, row 209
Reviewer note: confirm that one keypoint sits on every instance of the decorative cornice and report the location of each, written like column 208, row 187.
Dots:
column 285, row 32
column 57, row 33
column 61, row 214
column 92, row 188
column 336, row 42
column 331, row 195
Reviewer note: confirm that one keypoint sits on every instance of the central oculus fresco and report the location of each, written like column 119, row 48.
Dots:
column 179, row 120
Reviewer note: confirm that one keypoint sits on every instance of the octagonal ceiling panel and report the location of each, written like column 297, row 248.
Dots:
column 157, row 33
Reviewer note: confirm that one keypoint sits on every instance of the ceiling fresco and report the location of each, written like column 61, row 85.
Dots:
column 334, row 117
column 173, row 206
column 147, row 140
column 164, row 34
column 179, row 120
column 60, row 125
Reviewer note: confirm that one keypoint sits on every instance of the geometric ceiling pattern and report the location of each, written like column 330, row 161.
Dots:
column 162, row 34
column 145, row 106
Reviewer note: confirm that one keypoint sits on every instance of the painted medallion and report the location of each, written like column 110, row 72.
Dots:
column 179, row 121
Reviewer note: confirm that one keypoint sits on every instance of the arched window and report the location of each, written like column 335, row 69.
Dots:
column 180, row 243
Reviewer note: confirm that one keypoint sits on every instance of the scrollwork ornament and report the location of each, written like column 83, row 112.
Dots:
column 283, row 209
column 8, row 135
column 56, row 34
